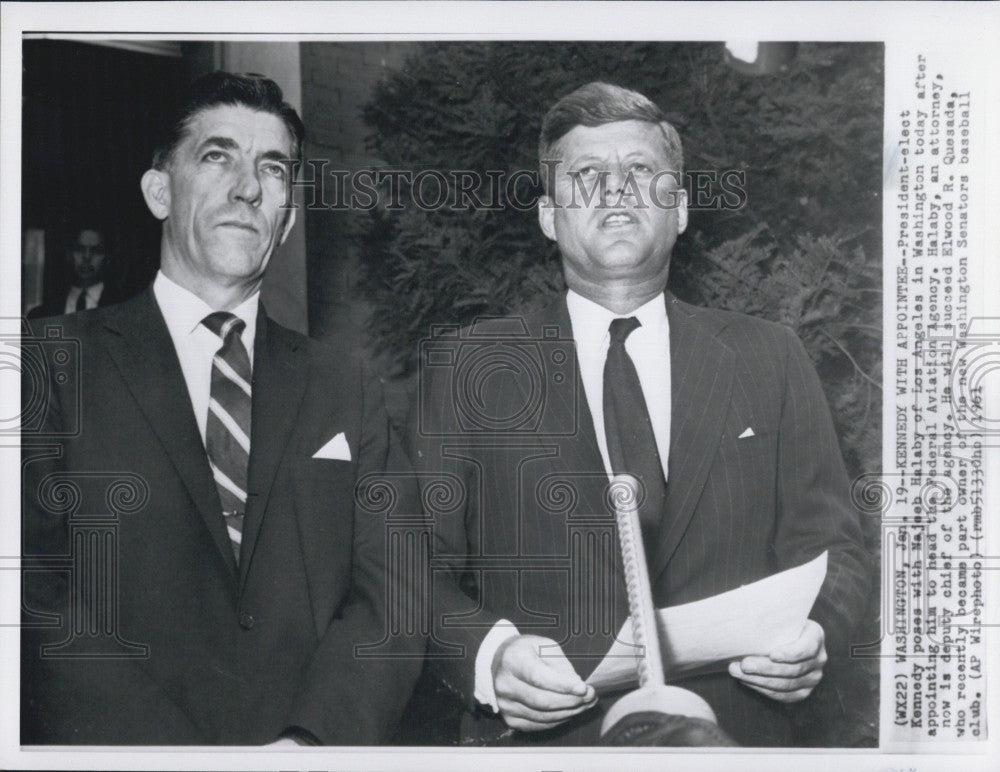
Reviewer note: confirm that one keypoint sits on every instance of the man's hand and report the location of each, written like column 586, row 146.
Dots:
column 537, row 692
column 790, row 672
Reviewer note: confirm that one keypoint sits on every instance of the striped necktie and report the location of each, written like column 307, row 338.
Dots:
column 227, row 433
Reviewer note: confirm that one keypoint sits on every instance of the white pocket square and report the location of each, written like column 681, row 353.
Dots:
column 336, row 449
column 748, row 432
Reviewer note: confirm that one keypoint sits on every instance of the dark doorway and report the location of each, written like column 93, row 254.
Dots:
column 90, row 114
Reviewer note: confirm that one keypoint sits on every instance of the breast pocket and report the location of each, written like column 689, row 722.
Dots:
column 323, row 496
column 325, row 489
column 748, row 468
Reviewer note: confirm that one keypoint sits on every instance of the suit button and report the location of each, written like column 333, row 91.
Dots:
column 246, row 620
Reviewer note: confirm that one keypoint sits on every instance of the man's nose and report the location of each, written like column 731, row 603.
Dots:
column 614, row 182
column 246, row 187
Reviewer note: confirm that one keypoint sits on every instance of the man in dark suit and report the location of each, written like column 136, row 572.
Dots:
column 199, row 568
column 87, row 261
column 720, row 416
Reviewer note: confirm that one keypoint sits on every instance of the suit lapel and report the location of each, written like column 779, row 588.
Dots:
column 569, row 406
column 579, row 457
column 280, row 375
column 701, row 376
column 144, row 353
column 580, row 452
column 563, row 406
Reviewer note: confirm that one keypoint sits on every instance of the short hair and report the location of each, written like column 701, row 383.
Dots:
column 596, row 104
column 228, row 88
column 71, row 239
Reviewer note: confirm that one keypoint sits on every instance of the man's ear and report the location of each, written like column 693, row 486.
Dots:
column 682, row 210
column 547, row 216
column 289, row 222
column 155, row 186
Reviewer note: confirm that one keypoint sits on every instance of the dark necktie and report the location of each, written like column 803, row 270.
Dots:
column 631, row 443
column 227, row 433
column 81, row 301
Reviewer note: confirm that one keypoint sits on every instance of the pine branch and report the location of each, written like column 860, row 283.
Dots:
column 857, row 367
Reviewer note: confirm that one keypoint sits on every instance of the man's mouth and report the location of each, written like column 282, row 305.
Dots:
column 619, row 220
column 250, row 227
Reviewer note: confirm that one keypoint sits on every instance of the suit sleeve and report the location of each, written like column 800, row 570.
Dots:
column 430, row 433
column 362, row 674
column 814, row 508
column 79, row 700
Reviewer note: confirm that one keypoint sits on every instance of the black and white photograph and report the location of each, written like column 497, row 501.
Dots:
column 408, row 385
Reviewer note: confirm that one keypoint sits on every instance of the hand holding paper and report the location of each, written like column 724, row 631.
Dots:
column 536, row 692
column 756, row 619
column 790, row 672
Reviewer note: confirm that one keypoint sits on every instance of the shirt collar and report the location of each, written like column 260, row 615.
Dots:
column 183, row 310
column 591, row 320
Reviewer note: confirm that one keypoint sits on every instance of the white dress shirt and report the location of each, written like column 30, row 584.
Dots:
column 195, row 344
column 649, row 348
column 93, row 296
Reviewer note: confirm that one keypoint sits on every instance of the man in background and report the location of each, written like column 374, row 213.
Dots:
column 87, row 260
column 720, row 416
column 245, row 595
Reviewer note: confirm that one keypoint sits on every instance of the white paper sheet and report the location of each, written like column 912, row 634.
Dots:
column 708, row 634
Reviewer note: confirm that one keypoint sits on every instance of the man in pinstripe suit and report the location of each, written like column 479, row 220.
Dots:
column 752, row 479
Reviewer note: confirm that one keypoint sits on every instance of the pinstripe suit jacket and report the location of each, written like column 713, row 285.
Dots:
column 533, row 540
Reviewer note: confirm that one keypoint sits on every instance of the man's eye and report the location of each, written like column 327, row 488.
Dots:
column 586, row 171
column 214, row 156
column 274, row 170
column 640, row 168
